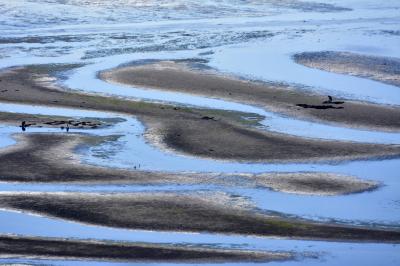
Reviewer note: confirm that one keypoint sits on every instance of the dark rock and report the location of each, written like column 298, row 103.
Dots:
column 208, row 118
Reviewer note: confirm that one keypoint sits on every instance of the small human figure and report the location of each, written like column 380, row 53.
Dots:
column 67, row 128
column 329, row 101
column 23, row 125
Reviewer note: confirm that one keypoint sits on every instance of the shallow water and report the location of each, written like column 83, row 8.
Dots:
column 330, row 253
column 253, row 39
column 274, row 122
column 131, row 150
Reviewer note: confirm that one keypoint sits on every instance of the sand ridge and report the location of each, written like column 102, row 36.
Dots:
column 168, row 211
column 52, row 159
column 56, row 248
column 382, row 69
column 196, row 78
column 186, row 130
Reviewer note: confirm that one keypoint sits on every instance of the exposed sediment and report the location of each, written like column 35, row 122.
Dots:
column 226, row 136
column 383, row 69
column 314, row 183
column 188, row 77
column 51, row 159
column 185, row 212
column 54, row 248
column 39, row 121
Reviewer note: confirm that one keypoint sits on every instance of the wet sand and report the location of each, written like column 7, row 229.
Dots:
column 191, row 77
column 383, row 69
column 51, row 159
column 54, row 248
column 184, row 212
column 323, row 184
column 227, row 135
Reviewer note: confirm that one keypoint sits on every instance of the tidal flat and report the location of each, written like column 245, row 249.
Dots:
column 50, row 248
column 187, row 132
column 193, row 77
column 203, row 212
column 379, row 68
column 52, row 160
column 190, row 131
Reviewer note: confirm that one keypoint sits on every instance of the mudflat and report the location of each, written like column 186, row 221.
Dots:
column 188, row 77
column 383, row 69
column 47, row 248
column 184, row 212
column 50, row 121
column 198, row 132
column 52, row 160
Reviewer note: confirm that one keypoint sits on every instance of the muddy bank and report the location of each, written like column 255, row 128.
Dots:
column 197, row 132
column 383, row 69
column 51, row 159
column 191, row 77
column 185, row 212
column 50, row 248
column 38, row 121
